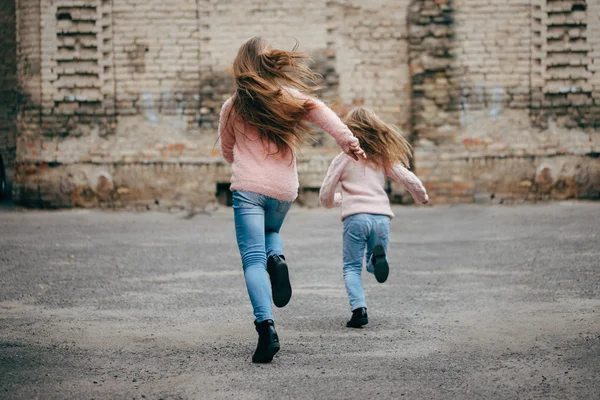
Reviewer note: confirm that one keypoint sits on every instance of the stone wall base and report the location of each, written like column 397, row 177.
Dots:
column 499, row 180
column 168, row 186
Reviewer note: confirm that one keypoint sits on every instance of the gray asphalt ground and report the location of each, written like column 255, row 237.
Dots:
column 482, row 303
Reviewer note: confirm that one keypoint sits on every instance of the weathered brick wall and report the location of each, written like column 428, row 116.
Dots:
column 141, row 83
column 77, row 73
column 370, row 42
column 503, row 109
column 224, row 27
column 500, row 100
column 8, row 84
column 157, row 186
column 565, row 70
column 28, row 16
column 156, row 56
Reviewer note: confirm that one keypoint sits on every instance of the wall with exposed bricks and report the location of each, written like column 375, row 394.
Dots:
column 505, row 99
column 8, row 84
column 501, row 101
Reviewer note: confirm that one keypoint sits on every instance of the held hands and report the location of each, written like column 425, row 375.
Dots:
column 355, row 151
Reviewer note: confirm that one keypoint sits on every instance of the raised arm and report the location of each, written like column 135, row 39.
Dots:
column 226, row 132
column 415, row 187
column 326, row 119
column 327, row 195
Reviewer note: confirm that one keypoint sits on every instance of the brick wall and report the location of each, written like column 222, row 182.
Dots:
column 77, row 74
column 8, row 84
column 370, row 42
column 503, row 110
column 141, row 83
column 500, row 100
column 156, row 56
column 28, row 17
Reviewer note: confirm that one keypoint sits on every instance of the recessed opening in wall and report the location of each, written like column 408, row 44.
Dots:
column 224, row 195
column 62, row 16
column 78, row 34
column 579, row 7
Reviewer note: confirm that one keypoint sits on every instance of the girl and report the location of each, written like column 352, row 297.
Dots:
column 260, row 128
column 366, row 209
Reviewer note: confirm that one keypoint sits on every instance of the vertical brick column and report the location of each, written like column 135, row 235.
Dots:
column 9, row 98
column 435, row 110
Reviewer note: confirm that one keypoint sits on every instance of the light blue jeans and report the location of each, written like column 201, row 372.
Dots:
column 361, row 231
column 258, row 219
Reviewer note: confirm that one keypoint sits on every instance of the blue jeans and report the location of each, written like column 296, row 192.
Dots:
column 361, row 231
column 258, row 219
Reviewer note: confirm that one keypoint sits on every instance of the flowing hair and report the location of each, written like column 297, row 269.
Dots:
column 383, row 143
column 261, row 75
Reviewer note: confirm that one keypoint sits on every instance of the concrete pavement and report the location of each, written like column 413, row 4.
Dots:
column 482, row 302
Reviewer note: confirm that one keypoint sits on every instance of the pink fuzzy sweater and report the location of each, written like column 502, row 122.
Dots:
column 363, row 188
column 274, row 175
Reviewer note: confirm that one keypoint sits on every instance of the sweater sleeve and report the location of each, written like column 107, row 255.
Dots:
column 226, row 132
column 327, row 195
column 326, row 119
column 401, row 174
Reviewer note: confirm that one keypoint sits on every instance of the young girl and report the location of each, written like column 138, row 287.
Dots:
column 366, row 209
column 260, row 127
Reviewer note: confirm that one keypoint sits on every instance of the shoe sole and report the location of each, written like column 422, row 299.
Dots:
column 267, row 357
column 382, row 269
column 358, row 323
column 282, row 292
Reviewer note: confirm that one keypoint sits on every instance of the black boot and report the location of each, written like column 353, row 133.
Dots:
column 268, row 342
column 380, row 264
column 359, row 318
column 280, row 280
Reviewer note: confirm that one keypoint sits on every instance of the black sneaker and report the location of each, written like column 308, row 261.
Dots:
column 280, row 280
column 380, row 264
column 359, row 318
column 268, row 342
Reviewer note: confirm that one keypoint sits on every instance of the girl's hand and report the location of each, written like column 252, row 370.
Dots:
column 355, row 151
column 337, row 199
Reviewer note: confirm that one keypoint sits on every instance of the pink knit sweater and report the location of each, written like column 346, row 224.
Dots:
column 274, row 175
column 363, row 188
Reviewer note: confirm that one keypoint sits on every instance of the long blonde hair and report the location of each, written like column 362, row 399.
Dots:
column 261, row 74
column 383, row 144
